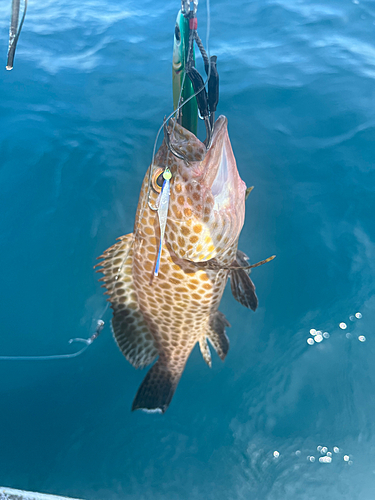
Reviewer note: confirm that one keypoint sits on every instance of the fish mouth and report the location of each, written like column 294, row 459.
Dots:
column 221, row 174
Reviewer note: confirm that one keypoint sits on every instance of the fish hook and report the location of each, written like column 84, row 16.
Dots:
column 167, row 139
column 153, row 207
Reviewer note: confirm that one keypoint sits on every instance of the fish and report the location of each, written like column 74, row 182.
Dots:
column 163, row 317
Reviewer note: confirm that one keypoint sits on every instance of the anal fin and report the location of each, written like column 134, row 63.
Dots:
column 216, row 334
column 243, row 289
column 205, row 350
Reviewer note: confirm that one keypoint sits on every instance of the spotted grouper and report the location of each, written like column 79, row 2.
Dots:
column 164, row 316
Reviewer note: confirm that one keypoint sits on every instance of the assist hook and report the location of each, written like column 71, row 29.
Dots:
column 206, row 100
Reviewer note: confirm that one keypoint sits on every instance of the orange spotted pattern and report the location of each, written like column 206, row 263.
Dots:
column 167, row 315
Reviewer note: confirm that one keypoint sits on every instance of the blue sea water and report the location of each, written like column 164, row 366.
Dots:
column 78, row 119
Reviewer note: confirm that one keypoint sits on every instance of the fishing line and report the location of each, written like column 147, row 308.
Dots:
column 87, row 342
column 142, row 210
column 163, row 198
column 165, row 121
column 180, row 106
column 100, row 322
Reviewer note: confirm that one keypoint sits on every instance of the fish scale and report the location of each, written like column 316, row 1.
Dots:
column 166, row 315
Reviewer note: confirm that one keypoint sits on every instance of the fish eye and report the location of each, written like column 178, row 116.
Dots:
column 177, row 33
column 158, row 179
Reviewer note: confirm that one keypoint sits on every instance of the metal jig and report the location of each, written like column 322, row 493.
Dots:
column 163, row 205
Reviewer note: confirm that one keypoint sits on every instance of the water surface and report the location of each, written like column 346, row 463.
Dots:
column 79, row 114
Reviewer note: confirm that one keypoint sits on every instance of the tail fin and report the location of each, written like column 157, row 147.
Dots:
column 157, row 389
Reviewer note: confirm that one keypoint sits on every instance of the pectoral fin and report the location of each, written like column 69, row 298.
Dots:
column 243, row 289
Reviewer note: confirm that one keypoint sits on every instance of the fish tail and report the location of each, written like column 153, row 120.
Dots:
column 157, row 389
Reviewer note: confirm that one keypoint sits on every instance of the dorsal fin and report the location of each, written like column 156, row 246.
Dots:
column 129, row 327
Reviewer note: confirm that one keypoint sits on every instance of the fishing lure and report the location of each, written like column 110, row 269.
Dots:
column 183, row 91
column 162, row 207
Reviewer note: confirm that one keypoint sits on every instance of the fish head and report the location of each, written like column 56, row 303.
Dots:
column 207, row 196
